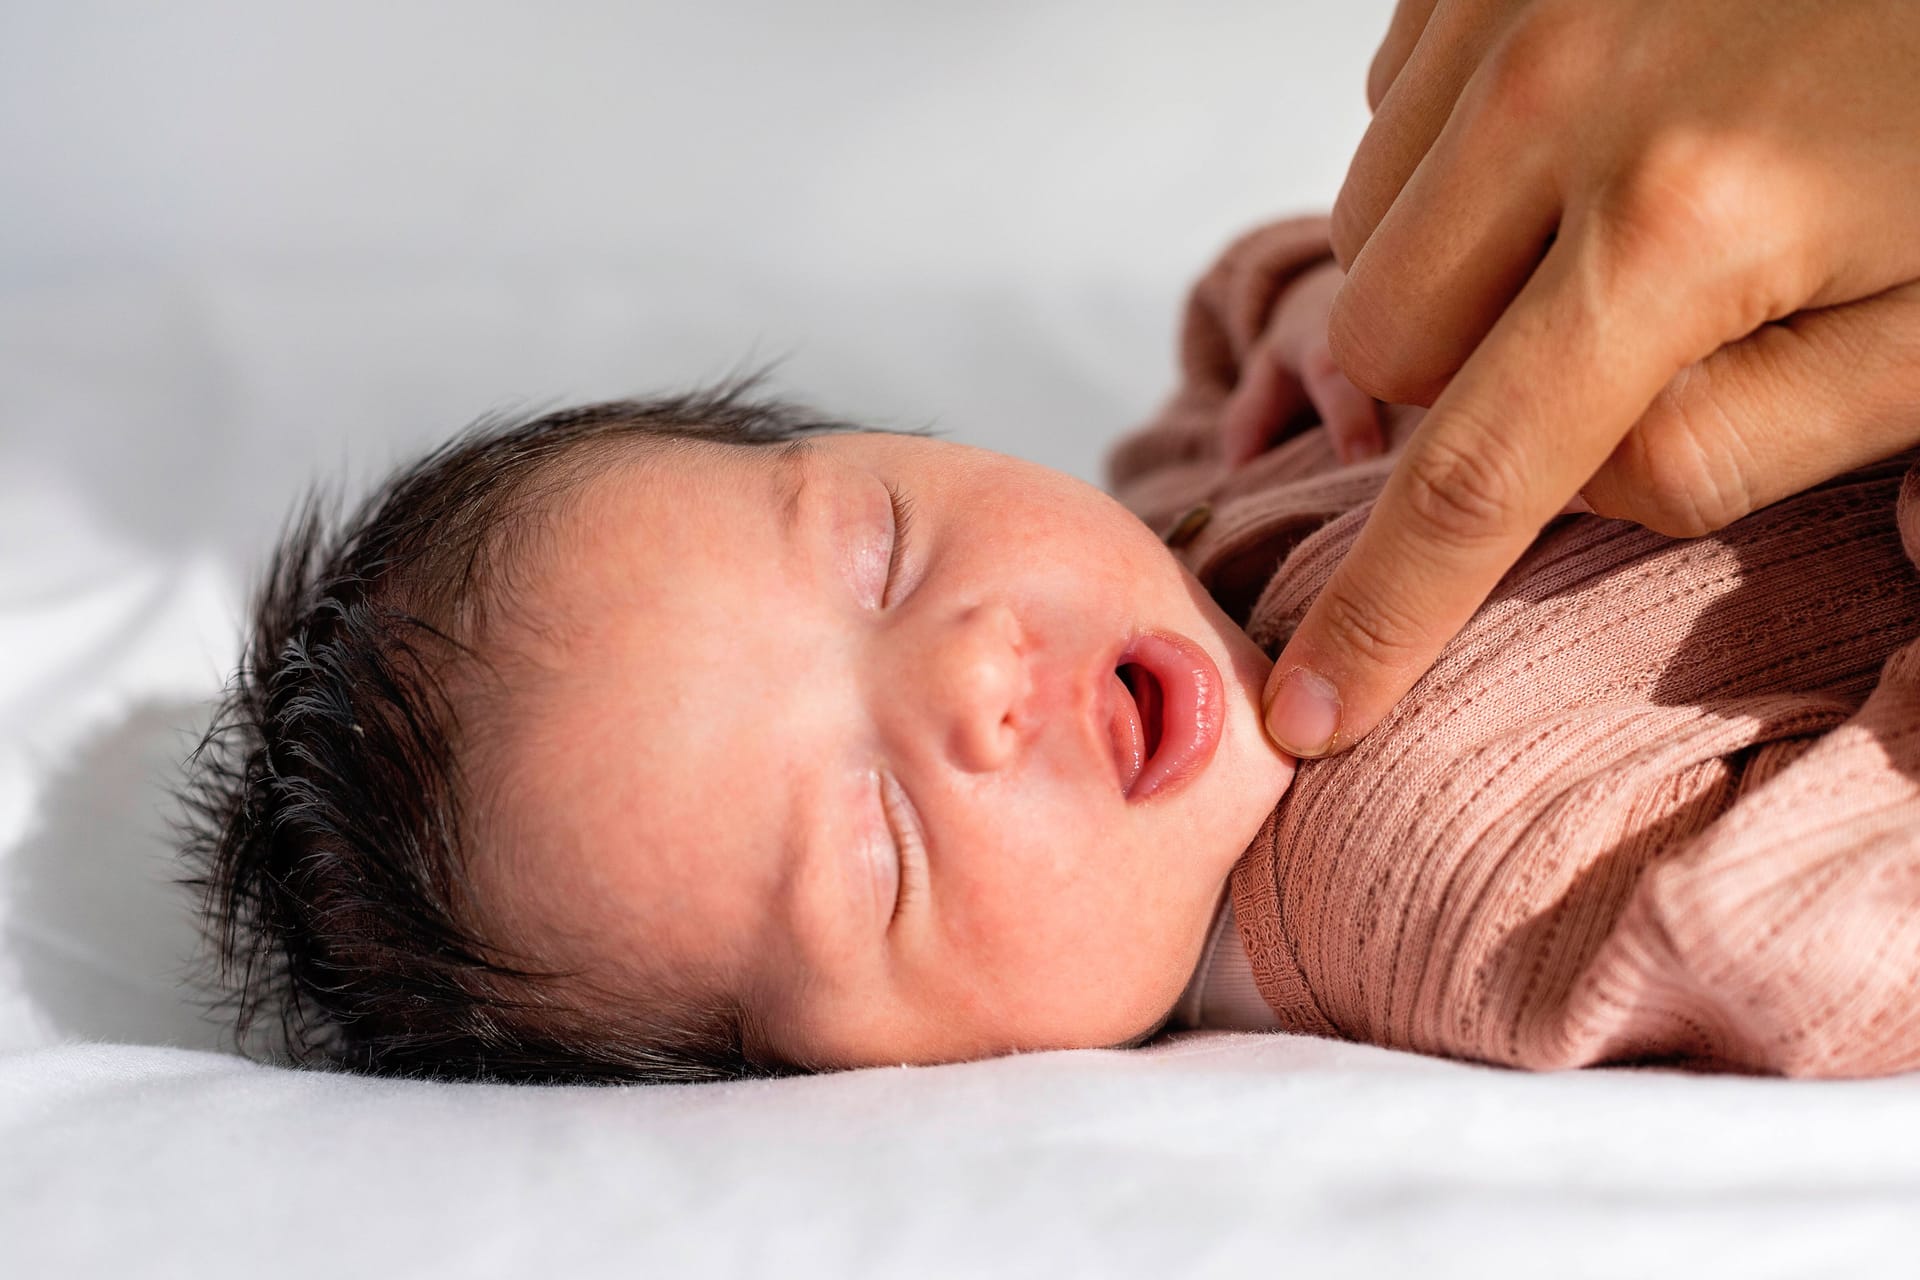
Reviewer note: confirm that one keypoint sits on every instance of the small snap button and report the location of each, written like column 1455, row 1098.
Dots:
column 1188, row 525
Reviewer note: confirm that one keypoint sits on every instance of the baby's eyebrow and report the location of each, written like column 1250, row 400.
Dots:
column 792, row 480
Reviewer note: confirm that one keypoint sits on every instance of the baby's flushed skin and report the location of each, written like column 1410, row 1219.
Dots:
column 740, row 689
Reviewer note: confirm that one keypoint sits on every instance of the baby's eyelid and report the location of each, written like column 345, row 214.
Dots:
column 902, row 522
column 908, row 843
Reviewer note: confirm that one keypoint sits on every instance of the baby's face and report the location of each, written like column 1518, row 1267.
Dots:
column 879, row 792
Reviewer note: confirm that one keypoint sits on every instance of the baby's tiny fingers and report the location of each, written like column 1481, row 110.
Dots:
column 1266, row 399
column 1352, row 417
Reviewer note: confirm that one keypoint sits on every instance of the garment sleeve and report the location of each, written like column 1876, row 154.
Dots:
column 1787, row 938
column 1226, row 313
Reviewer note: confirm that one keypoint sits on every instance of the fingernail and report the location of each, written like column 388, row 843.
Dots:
column 1576, row 506
column 1304, row 714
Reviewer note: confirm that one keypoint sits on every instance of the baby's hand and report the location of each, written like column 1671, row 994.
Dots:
column 1290, row 368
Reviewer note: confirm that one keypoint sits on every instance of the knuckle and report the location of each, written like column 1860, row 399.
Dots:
column 1361, row 349
column 1367, row 629
column 1380, row 77
column 1465, row 495
column 1545, row 58
column 1695, row 202
column 1680, row 185
column 1354, row 215
column 1682, row 471
column 1389, row 60
column 1690, row 241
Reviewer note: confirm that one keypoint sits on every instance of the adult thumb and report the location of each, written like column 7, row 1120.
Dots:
column 1792, row 404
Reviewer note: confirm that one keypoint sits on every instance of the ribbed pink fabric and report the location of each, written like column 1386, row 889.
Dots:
column 1659, row 801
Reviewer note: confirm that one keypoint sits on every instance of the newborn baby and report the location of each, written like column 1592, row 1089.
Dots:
column 699, row 737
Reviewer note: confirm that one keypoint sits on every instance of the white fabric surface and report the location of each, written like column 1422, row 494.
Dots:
column 244, row 243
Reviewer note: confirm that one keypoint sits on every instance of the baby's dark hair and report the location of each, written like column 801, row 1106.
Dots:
column 325, row 805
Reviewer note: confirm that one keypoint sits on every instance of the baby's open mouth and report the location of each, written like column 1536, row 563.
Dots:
column 1163, row 713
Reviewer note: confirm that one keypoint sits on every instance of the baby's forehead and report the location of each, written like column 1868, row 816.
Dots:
column 632, row 479
column 675, row 497
column 586, row 562
column 658, row 559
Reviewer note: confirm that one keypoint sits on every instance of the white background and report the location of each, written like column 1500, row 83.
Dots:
column 246, row 243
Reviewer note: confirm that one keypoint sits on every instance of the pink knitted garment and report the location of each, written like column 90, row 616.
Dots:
column 1659, row 801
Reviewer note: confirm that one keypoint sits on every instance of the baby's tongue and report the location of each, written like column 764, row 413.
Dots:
column 1129, row 735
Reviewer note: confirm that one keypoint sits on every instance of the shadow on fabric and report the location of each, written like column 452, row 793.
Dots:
column 104, row 941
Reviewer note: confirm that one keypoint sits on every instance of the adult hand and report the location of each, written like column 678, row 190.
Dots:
column 1658, row 254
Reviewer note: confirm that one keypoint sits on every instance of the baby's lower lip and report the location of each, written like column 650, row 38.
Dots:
column 1191, row 698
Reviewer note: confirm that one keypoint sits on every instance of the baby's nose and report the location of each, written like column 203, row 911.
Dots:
column 982, row 685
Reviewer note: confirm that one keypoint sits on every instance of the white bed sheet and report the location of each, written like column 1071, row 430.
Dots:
column 1215, row 1155
column 989, row 223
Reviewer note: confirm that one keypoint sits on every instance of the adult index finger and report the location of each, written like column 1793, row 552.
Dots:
column 1558, row 382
